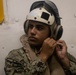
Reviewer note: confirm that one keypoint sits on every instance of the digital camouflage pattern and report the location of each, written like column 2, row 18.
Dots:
column 17, row 64
column 23, row 61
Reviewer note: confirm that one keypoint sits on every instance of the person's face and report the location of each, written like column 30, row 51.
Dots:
column 37, row 33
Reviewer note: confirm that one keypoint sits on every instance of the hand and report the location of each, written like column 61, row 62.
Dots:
column 47, row 49
column 61, row 49
column 61, row 52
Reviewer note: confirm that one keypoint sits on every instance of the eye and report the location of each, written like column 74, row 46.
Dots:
column 39, row 27
column 30, row 26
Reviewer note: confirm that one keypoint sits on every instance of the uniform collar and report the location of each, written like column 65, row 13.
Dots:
column 25, row 43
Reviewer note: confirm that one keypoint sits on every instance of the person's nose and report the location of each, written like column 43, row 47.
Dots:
column 33, row 30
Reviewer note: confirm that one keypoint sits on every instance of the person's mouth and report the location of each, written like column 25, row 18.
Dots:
column 32, row 39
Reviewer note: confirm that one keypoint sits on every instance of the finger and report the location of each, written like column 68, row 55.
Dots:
column 51, row 41
column 58, row 48
column 46, row 40
column 61, row 41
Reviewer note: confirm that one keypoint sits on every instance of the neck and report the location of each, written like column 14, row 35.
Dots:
column 36, row 47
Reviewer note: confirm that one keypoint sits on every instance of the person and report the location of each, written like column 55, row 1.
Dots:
column 43, row 52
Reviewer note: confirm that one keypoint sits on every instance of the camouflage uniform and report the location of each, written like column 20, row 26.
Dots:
column 25, row 62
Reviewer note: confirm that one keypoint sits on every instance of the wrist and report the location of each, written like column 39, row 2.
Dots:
column 65, row 62
column 43, row 57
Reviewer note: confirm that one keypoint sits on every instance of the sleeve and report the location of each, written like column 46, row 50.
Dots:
column 23, row 67
column 72, row 64
column 72, row 69
column 12, row 67
column 37, row 66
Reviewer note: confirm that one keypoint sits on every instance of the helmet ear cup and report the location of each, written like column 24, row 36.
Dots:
column 57, row 33
column 26, row 23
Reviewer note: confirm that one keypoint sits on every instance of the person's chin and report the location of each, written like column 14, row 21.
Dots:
column 33, row 43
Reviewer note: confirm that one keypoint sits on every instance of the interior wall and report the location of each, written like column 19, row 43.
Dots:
column 15, row 12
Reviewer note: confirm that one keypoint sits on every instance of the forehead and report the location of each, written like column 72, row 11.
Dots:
column 37, row 23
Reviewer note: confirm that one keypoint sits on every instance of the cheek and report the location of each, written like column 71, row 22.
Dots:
column 43, row 36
